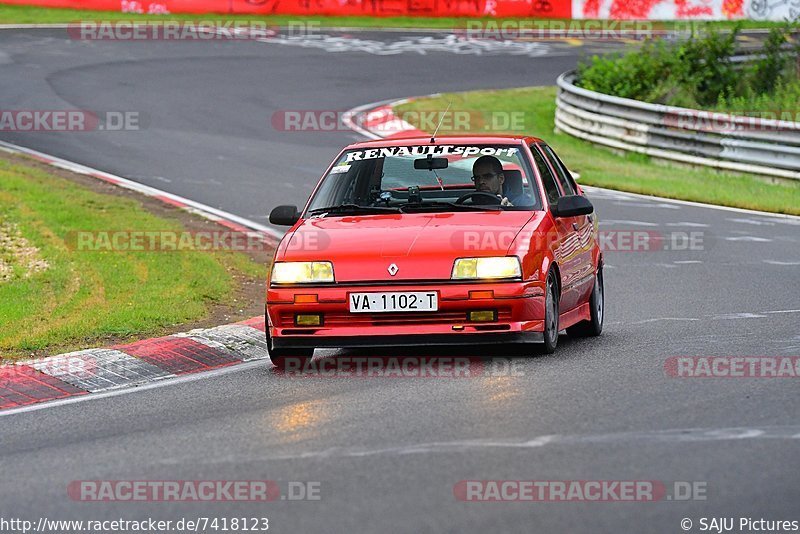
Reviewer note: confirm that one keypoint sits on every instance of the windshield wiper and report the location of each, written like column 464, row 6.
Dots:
column 349, row 208
column 439, row 205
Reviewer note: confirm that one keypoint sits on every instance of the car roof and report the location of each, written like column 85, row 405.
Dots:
column 447, row 140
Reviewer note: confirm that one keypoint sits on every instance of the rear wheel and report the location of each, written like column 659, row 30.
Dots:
column 551, row 315
column 294, row 358
column 594, row 326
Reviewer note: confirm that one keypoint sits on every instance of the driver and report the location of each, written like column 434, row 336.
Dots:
column 487, row 173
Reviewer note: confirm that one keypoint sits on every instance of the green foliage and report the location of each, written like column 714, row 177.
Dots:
column 703, row 66
column 630, row 75
column 766, row 73
column 698, row 72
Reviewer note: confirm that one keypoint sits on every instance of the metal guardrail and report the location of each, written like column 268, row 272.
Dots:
column 768, row 147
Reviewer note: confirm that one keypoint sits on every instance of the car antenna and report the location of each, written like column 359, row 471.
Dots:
column 433, row 137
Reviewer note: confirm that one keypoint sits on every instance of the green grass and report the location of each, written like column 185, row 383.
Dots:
column 600, row 167
column 87, row 296
column 37, row 15
column 696, row 73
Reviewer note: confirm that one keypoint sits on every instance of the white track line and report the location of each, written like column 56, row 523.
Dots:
column 151, row 385
column 655, row 437
column 694, row 204
column 208, row 212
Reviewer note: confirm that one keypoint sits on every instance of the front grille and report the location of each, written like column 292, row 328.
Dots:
column 334, row 319
column 388, row 319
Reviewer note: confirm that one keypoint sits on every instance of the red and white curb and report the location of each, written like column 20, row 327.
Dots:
column 103, row 370
column 378, row 121
column 108, row 369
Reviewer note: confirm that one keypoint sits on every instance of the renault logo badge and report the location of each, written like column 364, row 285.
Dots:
column 393, row 269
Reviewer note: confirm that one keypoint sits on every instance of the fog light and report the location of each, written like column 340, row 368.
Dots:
column 482, row 315
column 307, row 320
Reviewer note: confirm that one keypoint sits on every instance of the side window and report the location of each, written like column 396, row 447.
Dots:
column 564, row 178
column 548, row 180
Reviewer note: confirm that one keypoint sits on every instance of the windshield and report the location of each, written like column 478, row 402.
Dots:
column 444, row 178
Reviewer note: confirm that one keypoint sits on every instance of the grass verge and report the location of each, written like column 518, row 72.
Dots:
column 55, row 297
column 598, row 166
column 37, row 15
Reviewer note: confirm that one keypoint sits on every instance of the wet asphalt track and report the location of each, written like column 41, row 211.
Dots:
column 388, row 452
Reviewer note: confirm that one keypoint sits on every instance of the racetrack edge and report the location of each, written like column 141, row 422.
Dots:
column 100, row 370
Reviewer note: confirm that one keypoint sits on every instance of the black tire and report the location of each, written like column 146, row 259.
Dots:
column 298, row 357
column 550, row 334
column 294, row 359
column 593, row 327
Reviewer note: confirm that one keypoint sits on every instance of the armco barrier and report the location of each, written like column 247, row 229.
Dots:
column 727, row 142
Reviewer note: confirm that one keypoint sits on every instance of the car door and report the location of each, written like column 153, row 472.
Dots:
column 565, row 246
column 582, row 226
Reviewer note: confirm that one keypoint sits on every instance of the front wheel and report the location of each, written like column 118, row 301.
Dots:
column 294, row 358
column 551, row 316
column 594, row 326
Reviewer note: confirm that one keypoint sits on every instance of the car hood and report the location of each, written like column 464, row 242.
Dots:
column 423, row 246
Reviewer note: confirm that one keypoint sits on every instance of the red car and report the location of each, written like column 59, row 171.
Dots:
column 421, row 241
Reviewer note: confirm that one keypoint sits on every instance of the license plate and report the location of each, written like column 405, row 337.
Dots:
column 421, row 301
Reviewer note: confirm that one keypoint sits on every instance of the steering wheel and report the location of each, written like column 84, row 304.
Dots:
column 494, row 198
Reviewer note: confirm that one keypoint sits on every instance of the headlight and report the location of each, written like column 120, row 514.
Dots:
column 493, row 267
column 302, row 272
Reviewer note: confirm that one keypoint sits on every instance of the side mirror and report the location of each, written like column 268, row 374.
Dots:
column 284, row 216
column 572, row 206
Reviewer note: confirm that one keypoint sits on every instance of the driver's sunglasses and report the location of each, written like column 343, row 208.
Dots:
column 484, row 177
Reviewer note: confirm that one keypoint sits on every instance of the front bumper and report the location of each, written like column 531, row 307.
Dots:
column 406, row 340
column 519, row 307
